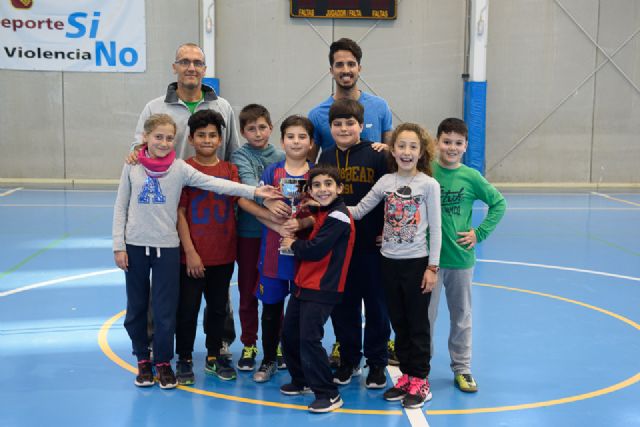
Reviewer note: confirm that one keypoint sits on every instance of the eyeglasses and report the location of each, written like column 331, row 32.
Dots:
column 185, row 63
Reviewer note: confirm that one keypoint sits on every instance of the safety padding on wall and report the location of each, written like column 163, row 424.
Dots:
column 475, row 113
column 212, row 82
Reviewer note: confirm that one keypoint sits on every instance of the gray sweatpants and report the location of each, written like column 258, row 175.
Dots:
column 457, row 287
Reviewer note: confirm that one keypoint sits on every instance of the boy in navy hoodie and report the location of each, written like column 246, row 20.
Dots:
column 359, row 166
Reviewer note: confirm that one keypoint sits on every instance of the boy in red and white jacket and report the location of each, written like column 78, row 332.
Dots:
column 319, row 285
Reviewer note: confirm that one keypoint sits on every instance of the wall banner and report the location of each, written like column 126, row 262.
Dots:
column 79, row 35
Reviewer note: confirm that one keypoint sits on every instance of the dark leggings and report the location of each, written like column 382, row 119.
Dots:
column 271, row 328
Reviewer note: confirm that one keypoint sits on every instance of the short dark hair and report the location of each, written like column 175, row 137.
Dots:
column 453, row 124
column 330, row 171
column 296, row 120
column 203, row 118
column 346, row 108
column 251, row 113
column 345, row 44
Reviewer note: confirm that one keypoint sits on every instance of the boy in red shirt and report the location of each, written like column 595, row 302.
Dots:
column 207, row 230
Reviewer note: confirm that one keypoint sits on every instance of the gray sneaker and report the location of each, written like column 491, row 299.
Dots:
column 184, row 372
column 265, row 372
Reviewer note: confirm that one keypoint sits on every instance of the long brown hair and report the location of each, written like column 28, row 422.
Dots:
column 427, row 147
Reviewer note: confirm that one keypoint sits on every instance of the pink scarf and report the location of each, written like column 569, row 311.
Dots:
column 155, row 168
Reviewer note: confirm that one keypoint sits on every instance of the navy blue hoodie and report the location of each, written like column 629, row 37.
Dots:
column 360, row 166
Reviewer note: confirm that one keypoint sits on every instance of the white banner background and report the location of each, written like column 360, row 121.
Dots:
column 79, row 35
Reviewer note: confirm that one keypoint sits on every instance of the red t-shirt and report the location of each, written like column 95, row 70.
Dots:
column 211, row 217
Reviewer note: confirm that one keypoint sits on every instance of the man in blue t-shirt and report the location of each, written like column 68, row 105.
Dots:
column 344, row 60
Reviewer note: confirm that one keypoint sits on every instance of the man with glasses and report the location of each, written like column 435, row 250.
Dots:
column 184, row 97
column 187, row 95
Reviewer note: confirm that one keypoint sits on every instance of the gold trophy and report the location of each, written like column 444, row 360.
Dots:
column 292, row 189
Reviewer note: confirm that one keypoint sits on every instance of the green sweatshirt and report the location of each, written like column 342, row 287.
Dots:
column 459, row 188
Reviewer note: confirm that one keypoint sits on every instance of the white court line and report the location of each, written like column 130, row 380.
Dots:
column 556, row 267
column 606, row 196
column 54, row 281
column 6, row 193
column 416, row 416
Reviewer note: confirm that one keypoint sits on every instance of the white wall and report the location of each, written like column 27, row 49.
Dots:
column 79, row 125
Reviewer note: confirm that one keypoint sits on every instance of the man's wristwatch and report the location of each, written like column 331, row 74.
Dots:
column 433, row 268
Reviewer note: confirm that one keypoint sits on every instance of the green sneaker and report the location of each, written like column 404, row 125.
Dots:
column 220, row 367
column 466, row 383
column 248, row 359
column 334, row 357
column 391, row 353
column 280, row 358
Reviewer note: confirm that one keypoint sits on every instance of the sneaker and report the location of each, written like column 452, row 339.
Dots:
column 326, row 404
column 220, row 367
column 344, row 373
column 184, row 372
column 225, row 352
column 334, row 357
column 391, row 353
column 280, row 358
column 248, row 359
column 145, row 374
column 399, row 390
column 265, row 372
column 376, row 378
column 419, row 392
column 166, row 377
column 466, row 383
column 291, row 389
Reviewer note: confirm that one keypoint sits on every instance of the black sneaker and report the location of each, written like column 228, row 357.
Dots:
column 344, row 373
column 399, row 390
column 326, row 404
column 166, row 377
column 391, row 353
column 145, row 374
column 334, row 357
column 377, row 378
column 280, row 358
column 291, row 389
column 184, row 372
column 220, row 367
column 247, row 361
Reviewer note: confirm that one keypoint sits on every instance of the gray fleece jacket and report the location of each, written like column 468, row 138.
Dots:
column 146, row 208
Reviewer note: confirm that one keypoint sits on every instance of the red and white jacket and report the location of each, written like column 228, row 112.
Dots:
column 325, row 256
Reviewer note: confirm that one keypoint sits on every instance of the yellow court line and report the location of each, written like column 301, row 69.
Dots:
column 104, row 345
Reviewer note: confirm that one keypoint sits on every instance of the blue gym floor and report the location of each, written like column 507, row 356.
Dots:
column 556, row 326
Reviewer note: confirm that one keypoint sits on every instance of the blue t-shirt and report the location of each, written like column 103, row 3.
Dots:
column 377, row 120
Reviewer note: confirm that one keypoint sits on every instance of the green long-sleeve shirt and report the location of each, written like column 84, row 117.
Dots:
column 459, row 188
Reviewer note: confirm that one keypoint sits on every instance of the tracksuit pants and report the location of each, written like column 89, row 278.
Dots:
column 302, row 335
column 457, row 287
column 409, row 313
column 165, row 265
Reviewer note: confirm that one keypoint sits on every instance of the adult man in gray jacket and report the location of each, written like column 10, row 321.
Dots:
column 187, row 95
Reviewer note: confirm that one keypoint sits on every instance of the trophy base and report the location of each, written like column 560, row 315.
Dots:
column 287, row 252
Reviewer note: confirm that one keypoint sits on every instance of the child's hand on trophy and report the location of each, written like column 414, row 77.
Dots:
column 285, row 243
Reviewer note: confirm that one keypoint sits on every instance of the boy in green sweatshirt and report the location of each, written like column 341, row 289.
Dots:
column 460, row 187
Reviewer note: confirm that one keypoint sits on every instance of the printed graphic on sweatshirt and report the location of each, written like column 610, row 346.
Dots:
column 450, row 201
column 151, row 192
column 402, row 215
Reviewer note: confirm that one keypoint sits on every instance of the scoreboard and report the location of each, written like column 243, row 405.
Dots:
column 344, row 9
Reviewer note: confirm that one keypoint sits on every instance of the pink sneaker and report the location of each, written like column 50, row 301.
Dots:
column 398, row 391
column 419, row 392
